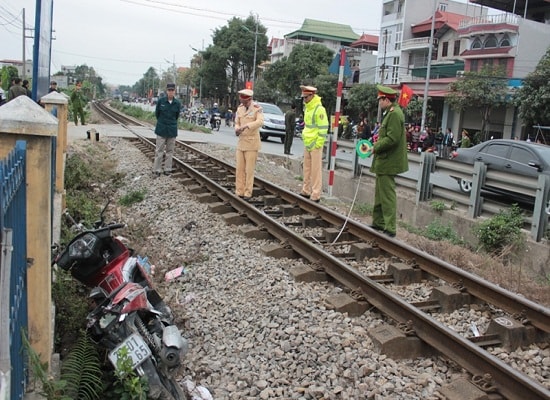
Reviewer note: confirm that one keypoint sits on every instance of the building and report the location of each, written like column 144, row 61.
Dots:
column 360, row 49
column 466, row 38
column 20, row 66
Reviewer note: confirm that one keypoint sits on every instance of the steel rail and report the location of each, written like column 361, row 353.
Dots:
column 508, row 382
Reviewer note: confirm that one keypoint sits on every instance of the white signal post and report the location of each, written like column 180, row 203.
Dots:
column 336, row 120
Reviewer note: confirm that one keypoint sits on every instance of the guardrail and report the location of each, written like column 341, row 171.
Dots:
column 480, row 176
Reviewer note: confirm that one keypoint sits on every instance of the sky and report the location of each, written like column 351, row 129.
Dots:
column 121, row 39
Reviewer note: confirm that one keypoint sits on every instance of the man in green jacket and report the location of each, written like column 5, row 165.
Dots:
column 78, row 102
column 390, row 159
column 167, row 113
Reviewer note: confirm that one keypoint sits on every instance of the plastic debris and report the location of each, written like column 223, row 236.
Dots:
column 197, row 392
column 474, row 329
column 175, row 273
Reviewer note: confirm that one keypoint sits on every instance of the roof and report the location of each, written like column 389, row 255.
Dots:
column 442, row 19
column 366, row 41
column 517, row 5
column 324, row 30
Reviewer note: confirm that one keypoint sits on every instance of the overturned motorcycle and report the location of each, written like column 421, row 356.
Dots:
column 130, row 319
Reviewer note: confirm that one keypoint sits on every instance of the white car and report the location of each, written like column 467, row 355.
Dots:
column 274, row 122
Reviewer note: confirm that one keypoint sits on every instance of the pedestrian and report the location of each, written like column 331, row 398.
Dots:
column 248, row 120
column 390, row 159
column 290, row 128
column 53, row 87
column 439, row 136
column 447, row 143
column 16, row 90
column 366, row 133
column 465, row 142
column 25, row 84
column 78, row 102
column 313, row 136
column 2, row 95
column 167, row 112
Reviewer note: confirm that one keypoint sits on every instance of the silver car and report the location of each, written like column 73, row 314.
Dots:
column 274, row 122
column 506, row 155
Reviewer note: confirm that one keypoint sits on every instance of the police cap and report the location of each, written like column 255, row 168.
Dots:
column 307, row 90
column 246, row 93
column 387, row 92
column 170, row 86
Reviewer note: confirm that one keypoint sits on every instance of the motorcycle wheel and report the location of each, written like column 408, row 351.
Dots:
column 161, row 385
column 218, row 124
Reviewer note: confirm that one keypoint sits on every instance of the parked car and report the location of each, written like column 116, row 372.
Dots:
column 274, row 122
column 505, row 155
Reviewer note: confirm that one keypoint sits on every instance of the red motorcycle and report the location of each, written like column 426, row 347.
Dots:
column 130, row 318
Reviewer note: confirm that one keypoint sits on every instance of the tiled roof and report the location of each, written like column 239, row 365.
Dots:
column 366, row 40
column 325, row 30
column 442, row 18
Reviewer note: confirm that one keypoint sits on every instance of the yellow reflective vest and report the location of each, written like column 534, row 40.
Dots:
column 316, row 124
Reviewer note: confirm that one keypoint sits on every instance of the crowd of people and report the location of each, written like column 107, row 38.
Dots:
column 18, row 87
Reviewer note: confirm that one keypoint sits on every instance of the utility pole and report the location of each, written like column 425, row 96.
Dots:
column 382, row 71
column 24, row 37
column 427, row 84
column 255, row 49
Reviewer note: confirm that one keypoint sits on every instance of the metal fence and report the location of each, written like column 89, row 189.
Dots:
column 13, row 273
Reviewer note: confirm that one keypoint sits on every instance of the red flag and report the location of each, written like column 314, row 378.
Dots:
column 406, row 96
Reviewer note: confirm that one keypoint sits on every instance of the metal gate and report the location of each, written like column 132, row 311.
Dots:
column 13, row 273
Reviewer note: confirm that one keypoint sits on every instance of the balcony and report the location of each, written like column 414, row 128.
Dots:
column 502, row 23
column 416, row 44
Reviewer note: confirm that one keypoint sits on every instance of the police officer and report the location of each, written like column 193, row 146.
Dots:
column 313, row 136
column 390, row 159
column 248, row 121
column 167, row 112
column 78, row 102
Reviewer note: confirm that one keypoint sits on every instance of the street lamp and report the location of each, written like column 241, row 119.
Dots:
column 173, row 68
column 200, row 77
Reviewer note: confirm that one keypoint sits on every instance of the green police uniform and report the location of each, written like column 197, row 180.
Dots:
column 390, row 159
column 78, row 102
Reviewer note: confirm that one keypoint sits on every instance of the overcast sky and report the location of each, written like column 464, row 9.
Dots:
column 121, row 39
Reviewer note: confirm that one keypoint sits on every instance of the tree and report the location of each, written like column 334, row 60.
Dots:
column 232, row 52
column 304, row 65
column 362, row 98
column 533, row 98
column 414, row 111
column 484, row 90
column 7, row 73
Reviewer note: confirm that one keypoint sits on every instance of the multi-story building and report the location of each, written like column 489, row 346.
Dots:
column 360, row 49
column 466, row 38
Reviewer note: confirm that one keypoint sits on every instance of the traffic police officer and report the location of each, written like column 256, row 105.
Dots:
column 390, row 159
column 313, row 136
column 248, row 121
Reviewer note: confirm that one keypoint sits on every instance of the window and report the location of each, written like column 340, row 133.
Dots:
column 505, row 42
column 497, row 150
column 445, row 49
column 522, row 156
column 474, row 65
column 490, row 42
column 476, row 44
column 456, row 50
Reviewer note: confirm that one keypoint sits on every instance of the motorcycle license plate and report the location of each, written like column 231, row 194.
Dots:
column 137, row 349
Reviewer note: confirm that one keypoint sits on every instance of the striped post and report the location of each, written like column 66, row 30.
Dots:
column 336, row 120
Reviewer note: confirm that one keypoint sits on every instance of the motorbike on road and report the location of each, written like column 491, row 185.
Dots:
column 216, row 121
column 130, row 318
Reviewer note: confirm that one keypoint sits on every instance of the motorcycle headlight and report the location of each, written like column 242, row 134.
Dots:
column 82, row 248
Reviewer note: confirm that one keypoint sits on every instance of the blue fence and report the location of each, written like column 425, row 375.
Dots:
column 13, row 263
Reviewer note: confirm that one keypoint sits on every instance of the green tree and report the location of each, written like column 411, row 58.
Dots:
column 362, row 98
column 484, row 90
column 304, row 65
column 232, row 52
column 414, row 111
column 7, row 73
column 533, row 98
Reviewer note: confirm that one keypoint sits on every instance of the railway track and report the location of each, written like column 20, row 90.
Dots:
column 375, row 269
